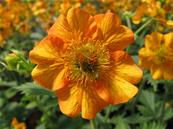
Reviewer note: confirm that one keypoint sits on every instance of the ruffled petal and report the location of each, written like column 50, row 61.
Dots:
column 144, row 63
column 112, row 33
column 169, row 40
column 140, row 11
column 91, row 103
column 170, row 23
column 70, row 99
column 168, row 73
column 45, row 74
column 107, row 22
column 146, row 53
column 60, row 81
column 116, row 91
column 74, row 99
column 156, row 72
column 153, row 41
column 76, row 25
column 126, row 68
column 47, row 51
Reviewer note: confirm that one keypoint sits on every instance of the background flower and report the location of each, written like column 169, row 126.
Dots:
column 157, row 54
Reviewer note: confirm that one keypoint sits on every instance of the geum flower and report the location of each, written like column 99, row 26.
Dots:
column 153, row 9
column 147, row 7
column 83, row 61
column 157, row 55
column 17, row 125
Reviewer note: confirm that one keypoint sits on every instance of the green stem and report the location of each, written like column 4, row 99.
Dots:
column 143, row 26
column 128, row 22
column 3, row 64
column 92, row 124
column 107, row 113
column 164, row 101
column 133, row 103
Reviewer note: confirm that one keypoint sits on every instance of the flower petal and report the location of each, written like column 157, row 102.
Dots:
column 60, row 80
column 156, row 72
column 47, row 51
column 45, row 74
column 70, row 99
column 170, row 23
column 115, row 35
column 145, row 52
column 126, row 68
column 74, row 26
column 169, row 40
column 153, row 41
column 116, row 91
column 106, row 22
column 144, row 63
column 91, row 103
column 167, row 74
column 140, row 11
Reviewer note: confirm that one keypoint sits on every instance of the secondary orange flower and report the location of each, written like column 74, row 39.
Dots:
column 150, row 8
column 157, row 55
column 17, row 125
column 83, row 61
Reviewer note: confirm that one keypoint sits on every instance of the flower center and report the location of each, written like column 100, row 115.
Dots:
column 88, row 60
column 160, row 55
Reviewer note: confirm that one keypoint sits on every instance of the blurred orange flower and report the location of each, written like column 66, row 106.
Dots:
column 157, row 55
column 17, row 125
column 152, row 8
column 149, row 8
column 83, row 61
column 10, row 1
column 67, row 4
column 14, row 16
column 90, row 8
column 119, row 6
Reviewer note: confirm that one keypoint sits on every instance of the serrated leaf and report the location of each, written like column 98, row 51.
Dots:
column 42, row 126
column 148, row 100
column 152, row 125
column 120, row 123
column 168, row 113
column 33, row 89
column 136, row 119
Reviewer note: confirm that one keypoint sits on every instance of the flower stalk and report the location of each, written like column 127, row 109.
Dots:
column 143, row 26
column 92, row 124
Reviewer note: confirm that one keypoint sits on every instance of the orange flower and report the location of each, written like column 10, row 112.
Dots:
column 118, row 6
column 10, row 1
column 149, row 8
column 89, row 7
column 168, row 5
column 67, row 4
column 83, row 61
column 17, row 125
column 157, row 55
column 152, row 8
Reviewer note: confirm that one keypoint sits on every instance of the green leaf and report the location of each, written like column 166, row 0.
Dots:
column 120, row 123
column 136, row 118
column 168, row 113
column 33, row 89
column 152, row 125
column 42, row 126
column 148, row 100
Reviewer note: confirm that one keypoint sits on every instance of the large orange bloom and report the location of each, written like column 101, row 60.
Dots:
column 157, row 55
column 83, row 61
